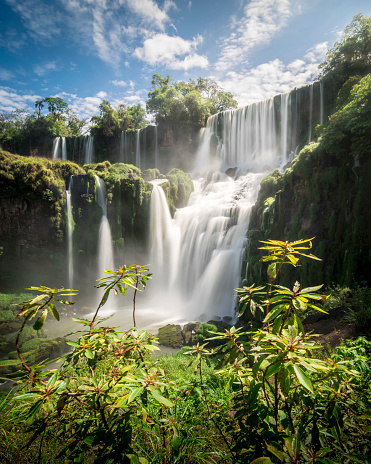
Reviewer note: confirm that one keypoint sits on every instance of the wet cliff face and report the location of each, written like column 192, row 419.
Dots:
column 323, row 197
column 33, row 229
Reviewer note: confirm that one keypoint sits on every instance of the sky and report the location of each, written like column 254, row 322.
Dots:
column 87, row 51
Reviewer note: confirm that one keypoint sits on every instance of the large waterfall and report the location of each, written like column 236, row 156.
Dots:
column 197, row 256
column 105, row 248
column 89, row 149
column 69, row 235
column 137, row 149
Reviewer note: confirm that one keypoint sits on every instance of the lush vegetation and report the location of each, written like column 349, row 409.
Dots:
column 187, row 103
column 261, row 396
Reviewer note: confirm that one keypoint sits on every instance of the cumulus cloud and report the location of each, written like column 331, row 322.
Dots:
column 272, row 78
column 261, row 20
column 149, row 11
column 10, row 100
column 165, row 50
column 120, row 83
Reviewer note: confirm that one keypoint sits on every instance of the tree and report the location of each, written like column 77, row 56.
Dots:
column 187, row 103
column 353, row 51
column 56, row 106
column 39, row 105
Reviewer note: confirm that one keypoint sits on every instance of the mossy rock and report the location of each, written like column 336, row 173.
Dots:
column 6, row 316
column 170, row 335
column 8, row 327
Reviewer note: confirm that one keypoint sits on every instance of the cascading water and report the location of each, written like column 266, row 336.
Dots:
column 64, row 148
column 321, row 120
column 105, row 248
column 285, row 102
column 137, row 149
column 164, row 237
column 69, row 234
column 123, row 147
column 310, row 113
column 208, row 236
column 89, row 149
column 55, row 150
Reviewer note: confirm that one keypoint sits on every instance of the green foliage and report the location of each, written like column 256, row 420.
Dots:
column 352, row 54
column 187, row 103
column 349, row 128
column 112, row 121
column 289, row 406
column 204, row 331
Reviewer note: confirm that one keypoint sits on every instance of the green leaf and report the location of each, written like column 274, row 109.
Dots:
column 66, row 302
column 75, row 344
column 81, row 321
column 161, row 399
column 105, row 297
column 135, row 393
column 53, row 311
column 261, row 460
column 303, row 379
column 10, row 362
column 40, row 320
column 273, row 314
column 89, row 354
column 272, row 271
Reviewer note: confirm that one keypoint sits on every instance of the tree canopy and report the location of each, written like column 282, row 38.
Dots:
column 187, row 103
column 352, row 54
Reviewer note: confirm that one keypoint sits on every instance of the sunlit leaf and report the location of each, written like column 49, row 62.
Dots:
column 303, row 379
column 40, row 320
column 53, row 311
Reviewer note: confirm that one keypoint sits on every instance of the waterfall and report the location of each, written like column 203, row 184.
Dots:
column 89, row 150
column 310, row 113
column 164, row 237
column 122, row 146
column 137, row 149
column 105, row 248
column 321, row 103
column 285, row 102
column 55, row 151
column 69, row 234
column 64, row 148
column 156, row 149
column 206, row 238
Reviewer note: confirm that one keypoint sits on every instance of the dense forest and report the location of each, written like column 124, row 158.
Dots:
column 274, row 387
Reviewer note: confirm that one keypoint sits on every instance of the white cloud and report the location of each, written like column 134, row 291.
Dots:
column 5, row 74
column 317, row 53
column 120, row 83
column 272, row 78
column 262, row 19
column 10, row 100
column 165, row 50
column 42, row 69
column 149, row 11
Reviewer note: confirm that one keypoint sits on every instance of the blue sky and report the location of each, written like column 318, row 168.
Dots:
column 89, row 50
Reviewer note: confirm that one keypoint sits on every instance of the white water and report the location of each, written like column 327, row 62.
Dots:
column 137, row 149
column 64, row 148
column 321, row 120
column 69, row 235
column 89, row 149
column 105, row 247
column 310, row 113
column 123, row 147
column 197, row 256
column 55, row 150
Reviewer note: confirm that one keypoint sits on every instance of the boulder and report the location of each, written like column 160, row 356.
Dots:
column 170, row 335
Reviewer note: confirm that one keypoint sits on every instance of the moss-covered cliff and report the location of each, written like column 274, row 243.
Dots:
column 33, row 230
column 324, row 194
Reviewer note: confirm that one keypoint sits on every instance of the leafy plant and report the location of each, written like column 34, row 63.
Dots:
column 290, row 406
